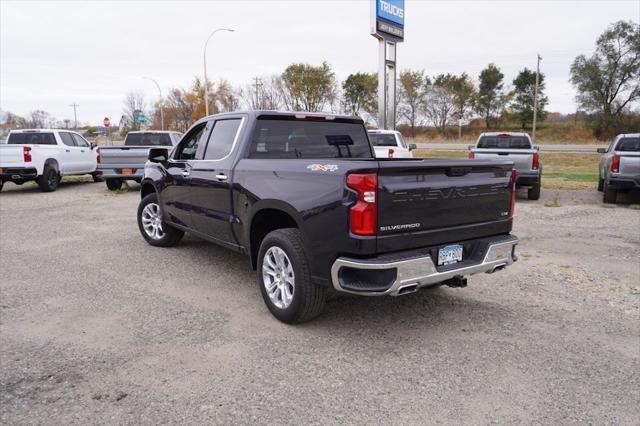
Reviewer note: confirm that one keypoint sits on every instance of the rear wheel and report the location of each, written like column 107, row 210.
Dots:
column 114, row 184
column 609, row 194
column 285, row 280
column 152, row 227
column 49, row 180
column 1, row 185
column 534, row 192
column 600, row 184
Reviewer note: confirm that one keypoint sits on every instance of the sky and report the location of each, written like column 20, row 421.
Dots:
column 56, row 53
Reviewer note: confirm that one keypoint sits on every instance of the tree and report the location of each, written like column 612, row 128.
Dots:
column 464, row 92
column 411, row 96
column 308, row 88
column 524, row 86
column 359, row 92
column 262, row 94
column 439, row 103
column 134, row 103
column 608, row 82
column 39, row 119
column 490, row 99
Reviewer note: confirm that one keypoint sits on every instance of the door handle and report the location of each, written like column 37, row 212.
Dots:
column 221, row 176
column 185, row 173
column 67, row 150
column 82, row 150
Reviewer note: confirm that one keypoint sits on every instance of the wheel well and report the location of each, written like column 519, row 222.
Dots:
column 53, row 163
column 147, row 188
column 266, row 221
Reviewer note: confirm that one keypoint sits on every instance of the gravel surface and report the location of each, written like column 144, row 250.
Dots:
column 96, row 326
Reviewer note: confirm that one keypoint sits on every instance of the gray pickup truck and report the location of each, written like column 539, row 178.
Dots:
column 516, row 147
column 126, row 162
column 619, row 166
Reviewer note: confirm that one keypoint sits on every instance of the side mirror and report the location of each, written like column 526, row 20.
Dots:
column 93, row 145
column 536, row 147
column 158, row 155
column 412, row 146
column 602, row 150
column 470, row 147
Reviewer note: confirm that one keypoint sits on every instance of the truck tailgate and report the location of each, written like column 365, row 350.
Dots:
column 425, row 202
column 629, row 162
column 123, row 156
column 11, row 156
column 522, row 158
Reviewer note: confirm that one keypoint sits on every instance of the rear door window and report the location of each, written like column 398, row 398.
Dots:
column 629, row 145
column 222, row 138
column 504, row 142
column 288, row 138
column 32, row 139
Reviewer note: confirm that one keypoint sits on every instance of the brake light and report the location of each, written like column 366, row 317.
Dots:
column 504, row 135
column 98, row 160
column 391, row 151
column 615, row 164
column 512, row 201
column 472, row 155
column 363, row 214
column 26, row 153
column 536, row 161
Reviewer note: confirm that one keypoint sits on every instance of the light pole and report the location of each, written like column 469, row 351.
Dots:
column 535, row 101
column 206, row 84
column 161, row 102
column 75, row 115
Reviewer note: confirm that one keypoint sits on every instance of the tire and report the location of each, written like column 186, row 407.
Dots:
column 150, row 221
column 49, row 180
column 97, row 177
column 534, row 192
column 600, row 184
column 114, row 184
column 306, row 299
column 609, row 194
column 1, row 185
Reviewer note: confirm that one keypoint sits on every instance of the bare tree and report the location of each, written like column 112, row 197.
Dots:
column 133, row 104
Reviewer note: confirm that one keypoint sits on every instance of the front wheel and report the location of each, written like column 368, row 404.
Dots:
column 49, row 180
column 114, row 184
column 152, row 227
column 285, row 280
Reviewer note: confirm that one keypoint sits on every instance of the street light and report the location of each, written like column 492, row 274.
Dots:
column 206, row 84
column 161, row 102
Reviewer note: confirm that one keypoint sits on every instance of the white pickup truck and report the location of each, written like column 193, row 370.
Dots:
column 45, row 155
column 390, row 144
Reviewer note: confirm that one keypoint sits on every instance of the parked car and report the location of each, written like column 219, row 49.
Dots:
column 516, row 147
column 303, row 196
column 126, row 162
column 390, row 144
column 619, row 168
column 45, row 155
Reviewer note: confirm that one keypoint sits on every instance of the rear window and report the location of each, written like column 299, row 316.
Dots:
column 277, row 138
column 382, row 140
column 147, row 139
column 504, row 142
column 629, row 145
column 31, row 139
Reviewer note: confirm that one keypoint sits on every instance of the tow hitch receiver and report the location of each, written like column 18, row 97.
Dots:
column 457, row 281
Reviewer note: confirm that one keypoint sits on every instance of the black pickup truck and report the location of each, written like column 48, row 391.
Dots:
column 303, row 196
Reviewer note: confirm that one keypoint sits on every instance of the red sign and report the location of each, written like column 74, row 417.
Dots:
column 106, row 122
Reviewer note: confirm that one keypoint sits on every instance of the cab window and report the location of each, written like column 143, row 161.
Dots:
column 189, row 145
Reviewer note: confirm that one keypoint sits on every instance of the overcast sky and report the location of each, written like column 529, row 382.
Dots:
column 55, row 53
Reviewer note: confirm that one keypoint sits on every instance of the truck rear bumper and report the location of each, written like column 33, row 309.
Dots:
column 137, row 172
column 405, row 272
column 527, row 178
column 625, row 182
column 20, row 174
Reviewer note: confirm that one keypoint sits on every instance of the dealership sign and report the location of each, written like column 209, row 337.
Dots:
column 387, row 19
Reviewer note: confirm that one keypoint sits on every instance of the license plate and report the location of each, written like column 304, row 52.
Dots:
column 450, row 254
column 127, row 171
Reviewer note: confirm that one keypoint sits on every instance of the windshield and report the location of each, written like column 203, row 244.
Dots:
column 504, row 142
column 378, row 139
column 629, row 145
column 278, row 138
column 31, row 139
column 147, row 139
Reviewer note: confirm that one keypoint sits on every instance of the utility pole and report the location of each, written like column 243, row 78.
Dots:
column 257, row 85
column 535, row 101
column 75, row 115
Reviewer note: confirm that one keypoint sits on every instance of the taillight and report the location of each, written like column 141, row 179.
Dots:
column 98, row 156
column 512, row 201
column 391, row 151
column 615, row 164
column 536, row 161
column 363, row 215
column 26, row 152
column 472, row 155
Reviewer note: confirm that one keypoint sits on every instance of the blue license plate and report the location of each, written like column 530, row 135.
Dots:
column 450, row 254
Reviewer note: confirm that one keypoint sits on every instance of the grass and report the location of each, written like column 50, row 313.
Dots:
column 560, row 170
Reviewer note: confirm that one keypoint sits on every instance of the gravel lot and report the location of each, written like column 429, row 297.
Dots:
column 98, row 327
